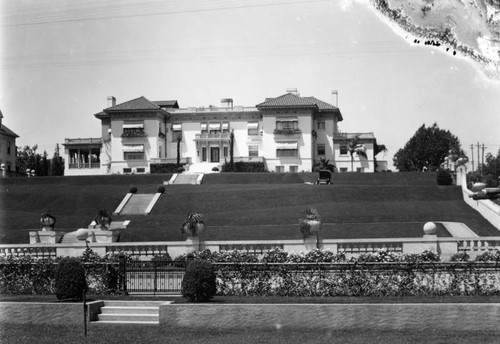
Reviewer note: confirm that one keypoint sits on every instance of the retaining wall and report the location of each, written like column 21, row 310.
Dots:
column 262, row 317
column 47, row 313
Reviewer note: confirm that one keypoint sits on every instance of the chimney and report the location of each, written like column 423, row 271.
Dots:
column 226, row 102
column 336, row 94
column 111, row 101
column 293, row 91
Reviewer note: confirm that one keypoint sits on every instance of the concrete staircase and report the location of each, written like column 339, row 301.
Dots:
column 204, row 167
column 186, row 178
column 130, row 312
column 137, row 204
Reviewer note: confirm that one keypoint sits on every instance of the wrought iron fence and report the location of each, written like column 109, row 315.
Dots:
column 154, row 276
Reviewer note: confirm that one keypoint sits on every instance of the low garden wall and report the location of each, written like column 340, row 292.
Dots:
column 47, row 313
column 262, row 317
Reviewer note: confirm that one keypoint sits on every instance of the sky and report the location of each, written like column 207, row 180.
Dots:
column 61, row 59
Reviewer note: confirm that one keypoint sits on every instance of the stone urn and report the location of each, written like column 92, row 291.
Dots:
column 430, row 228
column 48, row 222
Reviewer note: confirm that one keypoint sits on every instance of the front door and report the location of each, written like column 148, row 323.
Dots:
column 214, row 154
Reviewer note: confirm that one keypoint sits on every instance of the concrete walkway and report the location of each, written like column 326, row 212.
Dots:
column 459, row 230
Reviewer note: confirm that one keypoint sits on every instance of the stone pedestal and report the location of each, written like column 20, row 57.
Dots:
column 311, row 242
column 45, row 237
column 192, row 244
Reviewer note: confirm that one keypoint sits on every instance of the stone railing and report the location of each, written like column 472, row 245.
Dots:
column 445, row 247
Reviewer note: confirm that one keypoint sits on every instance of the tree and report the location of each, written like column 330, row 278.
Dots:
column 231, row 151
column 179, row 139
column 378, row 149
column 427, row 149
column 57, row 163
column 355, row 147
column 489, row 171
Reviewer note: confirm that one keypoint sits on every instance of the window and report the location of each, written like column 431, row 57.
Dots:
column 253, row 128
column 294, row 169
column 127, row 170
column 141, row 170
column 343, row 150
column 8, row 147
column 225, row 151
column 280, row 169
column 253, row 151
column 225, row 127
column 214, row 129
column 321, row 148
column 176, row 132
column 287, row 128
column 133, row 129
column 360, row 169
column 159, row 151
column 133, row 155
column 285, row 153
column 343, row 169
column 321, row 125
column 203, row 128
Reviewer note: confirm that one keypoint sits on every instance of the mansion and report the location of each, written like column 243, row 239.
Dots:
column 289, row 133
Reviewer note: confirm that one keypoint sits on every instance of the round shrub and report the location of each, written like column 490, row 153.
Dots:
column 70, row 280
column 444, row 177
column 133, row 190
column 199, row 283
column 161, row 189
column 180, row 170
column 215, row 169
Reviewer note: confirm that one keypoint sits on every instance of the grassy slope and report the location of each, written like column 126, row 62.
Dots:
column 243, row 206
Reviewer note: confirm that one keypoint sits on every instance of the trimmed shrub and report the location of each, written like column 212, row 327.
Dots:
column 199, row 283
column 133, row 190
column 163, row 168
column 70, row 280
column 180, row 170
column 460, row 257
column 161, row 189
column 444, row 177
column 215, row 169
column 242, row 166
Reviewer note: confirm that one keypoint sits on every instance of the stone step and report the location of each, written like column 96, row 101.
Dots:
column 126, row 303
column 127, row 310
column 136, row 318
column 186, row 178
column 137, row 204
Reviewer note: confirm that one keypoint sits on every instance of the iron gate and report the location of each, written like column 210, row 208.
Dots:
column 154, row 276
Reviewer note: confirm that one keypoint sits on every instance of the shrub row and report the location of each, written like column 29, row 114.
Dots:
column 242, row 166
column 165, row 168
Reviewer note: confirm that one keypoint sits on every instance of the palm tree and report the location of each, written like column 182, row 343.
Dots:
column 356, row 147
column 377, row 149
column 325, row 165
column 194, row 224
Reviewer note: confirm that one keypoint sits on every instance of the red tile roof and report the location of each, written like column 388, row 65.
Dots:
column 167, row 103
column 6, row 131
column 138, row 104
column 288, row 100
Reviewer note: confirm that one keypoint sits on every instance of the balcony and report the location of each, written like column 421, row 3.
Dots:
column 133, row 132
column 287, row 131
column 85, row 165
column 213, row 137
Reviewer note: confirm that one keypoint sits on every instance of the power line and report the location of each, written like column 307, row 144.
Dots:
column 44, row 17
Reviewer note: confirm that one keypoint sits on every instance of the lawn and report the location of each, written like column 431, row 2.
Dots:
column 246, row 206
column 124, row 334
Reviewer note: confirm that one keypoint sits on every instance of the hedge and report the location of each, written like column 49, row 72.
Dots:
column 242, row 166
column 164, row 168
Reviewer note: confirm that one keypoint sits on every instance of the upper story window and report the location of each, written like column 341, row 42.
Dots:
column 133, row 129
column 204, row 128
column 287, row 127
column 225, row 127
column 321, row 125
column 176, row 132
column 253, row 128
column 214, row 128
column 8, row 147
column 321, row 148
column 253, row 151
column 343, row 150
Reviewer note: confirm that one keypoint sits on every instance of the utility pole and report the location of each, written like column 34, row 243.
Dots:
column 479, row 169
column 482, row 158
column 472, row 156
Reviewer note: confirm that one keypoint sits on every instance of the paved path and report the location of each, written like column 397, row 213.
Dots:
column 459, row 230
